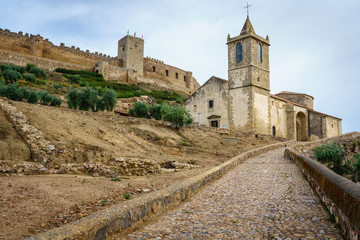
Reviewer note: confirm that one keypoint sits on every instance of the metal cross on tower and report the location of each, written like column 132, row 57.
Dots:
column 247, row 6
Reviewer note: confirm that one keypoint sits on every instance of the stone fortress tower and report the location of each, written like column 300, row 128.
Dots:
column 249, row 81
column 131, row 51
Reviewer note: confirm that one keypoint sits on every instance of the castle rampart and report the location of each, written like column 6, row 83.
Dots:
column 129, row 66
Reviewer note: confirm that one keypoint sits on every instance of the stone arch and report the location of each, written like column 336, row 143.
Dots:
column 301, row 127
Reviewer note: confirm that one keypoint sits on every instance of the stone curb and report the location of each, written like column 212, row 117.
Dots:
column 124, row 217
column 340, row 195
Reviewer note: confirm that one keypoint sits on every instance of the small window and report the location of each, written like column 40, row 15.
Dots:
column 184, row 78
column 273, row 131
column 239, row 56
column 154, row 69
column 259, row 53
column 215, row 123
column 167, row 72
column 195, row 108
column 176, row 75
column 211, row 103
column 332, row 125
column 97, row 71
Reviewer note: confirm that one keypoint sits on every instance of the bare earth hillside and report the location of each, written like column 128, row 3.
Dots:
column 32, row 203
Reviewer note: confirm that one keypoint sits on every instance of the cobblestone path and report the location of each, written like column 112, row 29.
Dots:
column 265, row 197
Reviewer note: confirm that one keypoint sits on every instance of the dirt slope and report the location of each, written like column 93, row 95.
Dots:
column 30, row 204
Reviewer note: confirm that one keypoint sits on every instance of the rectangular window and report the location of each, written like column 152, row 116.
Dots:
column 184, row 78
column 215, row 123
column 211, row 103
column 195, row 108
column 176, row 75
column 167, row 72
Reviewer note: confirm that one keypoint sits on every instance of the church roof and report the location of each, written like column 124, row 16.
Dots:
column 247, row 28
column 294, row 93
column 300, row 105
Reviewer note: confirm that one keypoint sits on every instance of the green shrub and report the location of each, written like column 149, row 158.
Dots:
column 11, row 75
column 55, row 101
column 4, row 67
column 176, row 115
column 45, row 98
column 356, row 164
column 107, row 100
column 88, row 99
column 23, row 93
column 29, row 66
column 33, row 97
column 38, row 72
column 40, row 82
column 19, row 69
column 141, row 110
column 72, row 98
column 333, row 155
column 30, row 77
column 74, row 79
column 79, row 72
column 58, row 86
column 155, row 111
column 165, row 107
column 12, row 92
column 188, row 118
column 2, row 88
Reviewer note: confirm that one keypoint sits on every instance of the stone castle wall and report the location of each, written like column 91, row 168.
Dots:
column 20, row 49
column 37, row 46
column 156, row 69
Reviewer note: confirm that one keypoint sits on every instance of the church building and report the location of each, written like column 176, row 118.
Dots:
column 243, row 102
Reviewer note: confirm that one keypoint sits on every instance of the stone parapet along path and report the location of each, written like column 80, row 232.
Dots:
column 266, row 197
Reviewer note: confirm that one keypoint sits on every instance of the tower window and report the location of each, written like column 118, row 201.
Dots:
column 176, row 75
column 167, row 72
column 154, row 69
column 259, row 53
column 239, row 56
column 184, row 78
column 211, row 103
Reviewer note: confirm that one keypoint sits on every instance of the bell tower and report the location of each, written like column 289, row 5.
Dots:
column 249, row 81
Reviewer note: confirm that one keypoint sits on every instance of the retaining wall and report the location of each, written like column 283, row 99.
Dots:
column 340, row 195
column 120, row 219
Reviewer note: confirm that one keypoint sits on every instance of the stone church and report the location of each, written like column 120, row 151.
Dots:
column 243, row 102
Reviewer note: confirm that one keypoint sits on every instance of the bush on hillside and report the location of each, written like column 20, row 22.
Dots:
column 74, row 79
column 332, row 154
column 155, row 111
column 30, row 77
column 45, row 98
column 78, row 72
column 33, row 97
column 11, row 75
column 141, row 110
column 38, row 72
column 87, row 99
column 29, row 66
column 72, row 98
column 107, row 100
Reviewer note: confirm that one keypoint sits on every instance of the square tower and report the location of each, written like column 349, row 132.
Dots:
column 249, row 81
column 131, row 51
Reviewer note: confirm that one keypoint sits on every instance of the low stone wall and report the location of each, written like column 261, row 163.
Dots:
column 122, row 218
column 41, row 149
column 340, row 195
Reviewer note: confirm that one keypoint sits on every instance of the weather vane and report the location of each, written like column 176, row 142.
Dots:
column 247, row 6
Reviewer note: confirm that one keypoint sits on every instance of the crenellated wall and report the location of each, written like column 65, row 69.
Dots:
column 129, row 67
column 37, row 46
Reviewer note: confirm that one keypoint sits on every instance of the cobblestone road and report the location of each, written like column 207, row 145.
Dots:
column 264, row 198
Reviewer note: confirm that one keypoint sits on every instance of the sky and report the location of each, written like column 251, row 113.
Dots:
column 314, row 44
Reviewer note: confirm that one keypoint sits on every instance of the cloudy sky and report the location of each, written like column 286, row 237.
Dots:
column 314, row 44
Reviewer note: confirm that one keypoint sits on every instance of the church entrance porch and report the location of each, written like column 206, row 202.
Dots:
column 214, row 120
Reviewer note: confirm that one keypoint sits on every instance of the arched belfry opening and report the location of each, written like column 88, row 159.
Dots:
column 301, row 128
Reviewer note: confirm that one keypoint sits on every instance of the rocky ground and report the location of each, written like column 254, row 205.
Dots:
column 90, row 149
column 264, row 198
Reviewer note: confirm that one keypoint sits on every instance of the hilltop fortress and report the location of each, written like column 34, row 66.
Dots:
column 129, row 66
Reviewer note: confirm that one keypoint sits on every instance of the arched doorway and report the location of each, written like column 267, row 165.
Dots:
column 301, row 127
